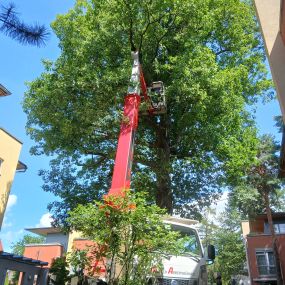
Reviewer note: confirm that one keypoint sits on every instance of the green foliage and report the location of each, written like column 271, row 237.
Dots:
column 261, row 180
column 209, row 55
column 78, row 261
column 268, row 191
column 15, row 278
column 245, row 201
column 230, row 254
column 58, row 271
column 130, row 236
column 224, row 231
column 19, row 246
column 230, row 245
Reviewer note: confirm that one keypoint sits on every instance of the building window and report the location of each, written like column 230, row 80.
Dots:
column 279, row 227
column 265, row 262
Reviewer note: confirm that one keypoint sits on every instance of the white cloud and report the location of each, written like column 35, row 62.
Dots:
column 6, row 224
column 12, row 201
column 9, row 236
column 45, row 221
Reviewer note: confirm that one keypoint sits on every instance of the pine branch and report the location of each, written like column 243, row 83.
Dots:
column 13, row 27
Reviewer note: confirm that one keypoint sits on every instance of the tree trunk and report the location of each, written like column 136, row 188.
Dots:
column 164, row 197
column 274, row 240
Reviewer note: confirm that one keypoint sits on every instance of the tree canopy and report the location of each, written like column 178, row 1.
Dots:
column 209, row 55
column 261, row 187
column 224, row 231
column 19, row 246
column 262, row 191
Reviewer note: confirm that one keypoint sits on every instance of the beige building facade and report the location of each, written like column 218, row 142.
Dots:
column 10, row 148
column 271, row 17
column 269, row 13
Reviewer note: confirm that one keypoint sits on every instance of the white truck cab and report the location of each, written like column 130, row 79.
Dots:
column 190, row 267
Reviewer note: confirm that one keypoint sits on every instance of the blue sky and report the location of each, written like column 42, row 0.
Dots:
column 19, row 64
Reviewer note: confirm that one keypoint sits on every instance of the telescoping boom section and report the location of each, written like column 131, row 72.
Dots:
column 137, row 90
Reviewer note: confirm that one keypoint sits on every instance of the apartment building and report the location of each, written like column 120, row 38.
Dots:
column 260, row 256
column 271, row 17
column 10, row 148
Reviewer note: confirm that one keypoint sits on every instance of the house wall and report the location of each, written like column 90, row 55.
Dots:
column 44, row 252
column 268, row 13
column 256, row 226
column 255, row 242
column 245, row 228
column 82, row 244
column 98, row 268
column 71, row 237
column 282, row 21
column 58, row 238
column 10, row 149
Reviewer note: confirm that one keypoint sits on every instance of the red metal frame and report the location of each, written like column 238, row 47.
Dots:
column 121, row 180
column 123, row 163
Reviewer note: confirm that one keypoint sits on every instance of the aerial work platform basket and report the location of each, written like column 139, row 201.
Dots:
column 157, row 97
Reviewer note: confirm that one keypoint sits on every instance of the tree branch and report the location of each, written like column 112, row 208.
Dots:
column 163, row 36
column 16, row 29
column 131, row 32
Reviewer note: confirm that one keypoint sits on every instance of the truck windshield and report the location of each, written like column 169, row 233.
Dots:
column 190, row 240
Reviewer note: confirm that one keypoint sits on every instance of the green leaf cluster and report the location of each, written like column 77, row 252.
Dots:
column 19, row 246
column 261, row 181
column 78, row 261
column 224, row 231
column 231, row 257
column 58, row 271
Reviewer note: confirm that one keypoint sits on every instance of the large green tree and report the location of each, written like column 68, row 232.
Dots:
column 224, row 231
column 231, row 256
column 262, row 190
column 209, row 55
column 19, row 246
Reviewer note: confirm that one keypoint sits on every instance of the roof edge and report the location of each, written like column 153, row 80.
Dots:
column 43, row 244
column 5, row 131
column 44, row 231
column 5, row 90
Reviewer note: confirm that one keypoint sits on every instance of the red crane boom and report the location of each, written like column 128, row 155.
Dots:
column 124, row 156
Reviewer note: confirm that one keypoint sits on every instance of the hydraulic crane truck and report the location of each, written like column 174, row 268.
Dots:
column 189, row 268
